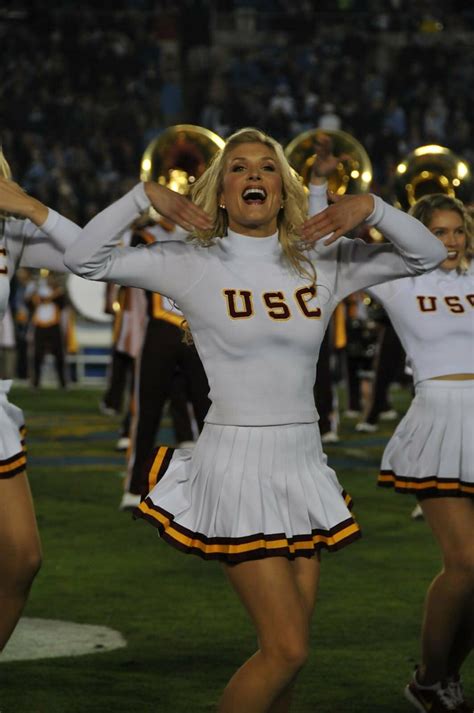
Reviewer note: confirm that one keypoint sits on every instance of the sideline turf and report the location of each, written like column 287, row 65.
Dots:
column 186, row 633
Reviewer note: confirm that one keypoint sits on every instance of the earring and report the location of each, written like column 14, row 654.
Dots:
column 221, row 205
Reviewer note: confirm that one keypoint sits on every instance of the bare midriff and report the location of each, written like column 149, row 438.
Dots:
column 453, row 377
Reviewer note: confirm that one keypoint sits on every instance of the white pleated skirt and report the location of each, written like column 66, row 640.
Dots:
column 12, row 435
column 246, row 493
column 431, row 452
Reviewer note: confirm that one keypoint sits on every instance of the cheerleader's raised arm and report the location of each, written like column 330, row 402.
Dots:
column 412, row 249
column 98, row 256
column 39, row 235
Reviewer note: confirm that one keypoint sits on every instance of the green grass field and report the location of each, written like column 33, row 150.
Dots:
column 186, row 632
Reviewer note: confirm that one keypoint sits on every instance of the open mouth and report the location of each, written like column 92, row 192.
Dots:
column 452, row 254
column 254, row 196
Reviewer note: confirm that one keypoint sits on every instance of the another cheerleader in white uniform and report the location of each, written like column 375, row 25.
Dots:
column 431, row 453
column 38, row 241
column 256, row 492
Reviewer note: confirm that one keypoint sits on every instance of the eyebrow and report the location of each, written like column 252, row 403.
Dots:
column 443, row 225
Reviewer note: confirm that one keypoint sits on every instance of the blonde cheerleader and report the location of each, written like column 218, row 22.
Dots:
column 431, row 453
column 256, row 492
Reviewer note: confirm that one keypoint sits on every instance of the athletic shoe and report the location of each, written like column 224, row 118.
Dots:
column 129, row 501
column 417, row 513
column 364, row 427
column 456, row 691
column 352, row 414
column 434, row 699
column 389, row 415
column 107, row 410
column 122, row 443
column 329, row 437
column 186, row 444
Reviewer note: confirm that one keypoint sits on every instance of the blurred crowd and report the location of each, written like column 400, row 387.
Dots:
column 85, row 88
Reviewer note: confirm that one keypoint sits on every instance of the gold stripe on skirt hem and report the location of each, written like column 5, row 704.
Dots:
column 447, row 487
column 251, row 547
column 12, row 466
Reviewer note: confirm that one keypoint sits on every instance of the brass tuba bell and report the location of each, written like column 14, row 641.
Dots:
column 179, row 155
column 430, row 169
column 354, row 171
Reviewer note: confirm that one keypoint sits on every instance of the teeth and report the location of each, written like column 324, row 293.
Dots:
column 254, row 191
column 452, row 253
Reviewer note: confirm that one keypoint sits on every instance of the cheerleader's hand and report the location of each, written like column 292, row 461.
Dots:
column 345, row 213
column 177, row 208
column 14, row 201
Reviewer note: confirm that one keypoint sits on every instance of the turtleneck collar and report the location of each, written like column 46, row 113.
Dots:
column 447, row 275
column 249, row 246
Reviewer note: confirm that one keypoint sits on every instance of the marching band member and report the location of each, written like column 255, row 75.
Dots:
column 36, row 240
column 21, row 316
column 128, row 307
column 7, row 345
column 46, row 300
column 128, row 317
column 389, row 366
column 167, row 369
column 325, row 395
column 256, row 492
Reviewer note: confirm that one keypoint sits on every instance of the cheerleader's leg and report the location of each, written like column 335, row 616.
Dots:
column 279, row 598
column 20, row 551
column 463, row 641
column 307, row 578
column 451, row 593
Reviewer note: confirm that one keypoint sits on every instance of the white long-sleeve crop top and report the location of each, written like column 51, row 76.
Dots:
column 256, row 323
column 433, row 315
column 23, row 244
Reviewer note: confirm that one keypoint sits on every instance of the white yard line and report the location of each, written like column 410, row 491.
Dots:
column 51, row 638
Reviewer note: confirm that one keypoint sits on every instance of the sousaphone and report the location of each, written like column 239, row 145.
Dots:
column 431, row 169
column 354, row 170
column 175, row 158
column 179, row 155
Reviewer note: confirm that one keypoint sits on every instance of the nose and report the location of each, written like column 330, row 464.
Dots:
column 454, row 239
column 254, row 174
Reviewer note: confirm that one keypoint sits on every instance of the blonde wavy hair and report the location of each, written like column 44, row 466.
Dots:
column 5, row 172
column 424, row 208
column 207, row 189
